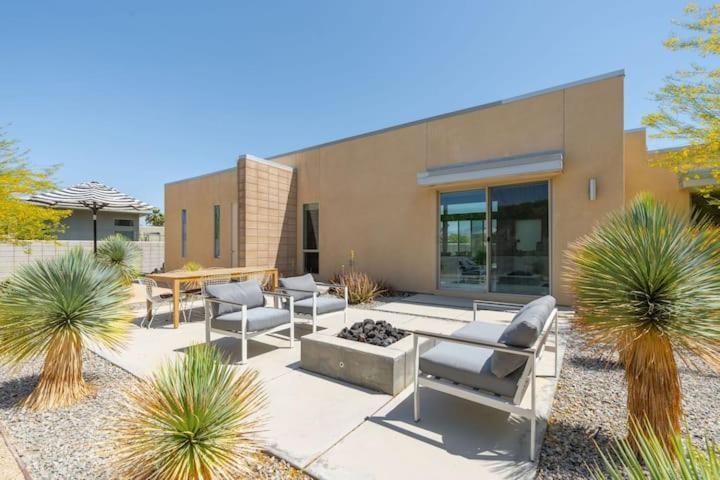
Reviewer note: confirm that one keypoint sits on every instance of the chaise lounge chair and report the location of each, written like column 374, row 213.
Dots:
column 237, row 309
column 309, row 299
column 490, row 364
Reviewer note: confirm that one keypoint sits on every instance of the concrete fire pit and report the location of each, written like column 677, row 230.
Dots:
column 386, row 369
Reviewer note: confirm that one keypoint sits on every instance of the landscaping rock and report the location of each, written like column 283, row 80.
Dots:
column 68, row 443
column 590, row 408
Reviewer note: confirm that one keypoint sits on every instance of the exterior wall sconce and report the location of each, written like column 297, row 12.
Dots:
column 592, row 189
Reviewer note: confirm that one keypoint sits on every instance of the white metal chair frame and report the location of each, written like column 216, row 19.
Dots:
column 244, row 335
column 188, row 297
column 529, row 374
column 156, row 301
column 316, row 294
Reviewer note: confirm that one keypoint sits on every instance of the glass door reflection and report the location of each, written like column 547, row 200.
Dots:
column 519, row 242
column 463, row 255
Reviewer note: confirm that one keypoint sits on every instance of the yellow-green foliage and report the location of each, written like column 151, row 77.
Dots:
column 689, row 101
column 195, row 418
column 21, row 221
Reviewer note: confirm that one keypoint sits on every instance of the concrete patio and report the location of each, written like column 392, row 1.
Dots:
column 335, row 430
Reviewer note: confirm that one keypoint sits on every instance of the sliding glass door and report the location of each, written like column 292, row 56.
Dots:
column 520, row 239
column 463, row 256
column 504, row 249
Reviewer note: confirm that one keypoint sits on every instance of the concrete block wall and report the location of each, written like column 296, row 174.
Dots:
column 267, row 223
column 13, row 257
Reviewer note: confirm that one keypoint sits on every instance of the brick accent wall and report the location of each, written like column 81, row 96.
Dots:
column 267, row 211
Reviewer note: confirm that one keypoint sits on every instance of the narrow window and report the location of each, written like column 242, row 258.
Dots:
column 216, row 231
column 183, row 233
column 311, row 237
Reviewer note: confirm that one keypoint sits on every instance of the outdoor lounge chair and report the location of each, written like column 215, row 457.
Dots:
column 309, row 299
column 156, row 301
column 490, row 364
column 237, row 309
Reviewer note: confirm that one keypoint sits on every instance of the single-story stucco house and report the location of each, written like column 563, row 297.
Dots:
column 481, row 202
column 98, row 211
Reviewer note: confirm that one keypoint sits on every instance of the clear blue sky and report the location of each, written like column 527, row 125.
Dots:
column 139, row 93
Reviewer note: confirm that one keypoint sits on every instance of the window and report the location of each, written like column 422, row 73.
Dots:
column 122, row 222
column 311, row 237
column 495, row 239
column 216, row 231
column 183, row 233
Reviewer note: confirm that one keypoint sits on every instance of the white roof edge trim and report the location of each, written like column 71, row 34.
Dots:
column 270, row 163
column 198, row 177
column 577, row 83
column 547, row 162
column 565, row 86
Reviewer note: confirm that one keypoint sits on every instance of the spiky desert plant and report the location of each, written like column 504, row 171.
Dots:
column 54, row 308
column 361, row 287
column 658, row 460
column 647, row 285
column 122, row 254
column 195, row 418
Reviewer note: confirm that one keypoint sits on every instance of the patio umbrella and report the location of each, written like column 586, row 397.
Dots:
column 94, row 196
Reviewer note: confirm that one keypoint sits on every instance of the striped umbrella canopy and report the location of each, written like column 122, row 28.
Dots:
column 94, row 196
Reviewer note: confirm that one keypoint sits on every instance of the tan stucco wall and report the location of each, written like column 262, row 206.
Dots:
column 370, row 201
column 641, row 176
column 198, row 196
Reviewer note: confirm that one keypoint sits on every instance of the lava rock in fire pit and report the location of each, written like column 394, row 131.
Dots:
column 379, row 333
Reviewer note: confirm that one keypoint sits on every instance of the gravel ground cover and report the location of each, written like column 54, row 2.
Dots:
column 590, row 407
column 67, row 443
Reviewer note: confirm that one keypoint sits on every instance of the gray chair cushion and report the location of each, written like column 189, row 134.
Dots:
column 248, row 293
column 299, row 287
column 522, row 332
column 325, row 304
column 469, row 366
column 480, row 331
column 259, row 318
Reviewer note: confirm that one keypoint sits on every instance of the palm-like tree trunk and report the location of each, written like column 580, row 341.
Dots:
column 61, row 382
column 653, row 384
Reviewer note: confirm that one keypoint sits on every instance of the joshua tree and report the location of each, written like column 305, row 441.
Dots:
column 121, row 254
column 195, row 418
column 54, row 308
column 647, row 285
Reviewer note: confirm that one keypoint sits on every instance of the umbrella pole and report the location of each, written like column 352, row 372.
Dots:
column 94, row 214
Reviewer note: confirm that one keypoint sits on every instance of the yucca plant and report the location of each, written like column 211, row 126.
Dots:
column 53, row 308
column 657, row 459
column 122, row 254
column 647, row 285
column 195, row 418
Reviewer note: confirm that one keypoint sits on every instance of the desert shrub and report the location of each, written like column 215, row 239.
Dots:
column 649, row 457
column 647, row 285
column 53, row 309
column 195, row 418
column 361, row 287
column 121, row 254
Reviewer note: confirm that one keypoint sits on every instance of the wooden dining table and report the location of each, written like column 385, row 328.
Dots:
column 175, row 279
